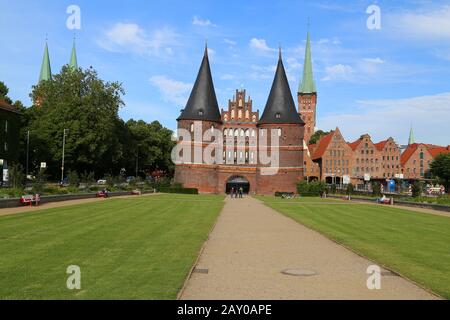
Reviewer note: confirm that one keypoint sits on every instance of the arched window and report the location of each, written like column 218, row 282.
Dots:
column 192, row 127
column 242, row 132
column 247, row 133
column 253, row 133
column 232, row 114
column 254, row 118
column 225, row 132
column 225, row 117
column 247, row 114
column 236, row 133
column 240, row 114
column 212, row 129
column 280, row 132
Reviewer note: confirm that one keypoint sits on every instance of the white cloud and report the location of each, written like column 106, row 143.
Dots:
column 172, row 91
column 383, row 118
column 227, row 77
column 260, row 45
column 424, row 25
column 196, row 21
column 338, row 72
column 374, row 60
column 130, row 37
column 230, row 42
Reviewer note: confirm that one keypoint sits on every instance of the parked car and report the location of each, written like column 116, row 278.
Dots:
column 101, row 182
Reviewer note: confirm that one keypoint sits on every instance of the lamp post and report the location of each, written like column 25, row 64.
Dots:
column 28, row 148
column 137, row 162
column 63, row 155
column 1, row 167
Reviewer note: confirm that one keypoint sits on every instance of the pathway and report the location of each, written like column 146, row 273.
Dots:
column 252, row 244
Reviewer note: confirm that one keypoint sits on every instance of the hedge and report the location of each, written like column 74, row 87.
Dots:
column 178, row 190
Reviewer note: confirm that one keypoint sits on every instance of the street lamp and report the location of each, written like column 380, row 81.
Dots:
column 28, row 148
column 63, row 155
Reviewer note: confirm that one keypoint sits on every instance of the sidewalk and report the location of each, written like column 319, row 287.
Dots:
column 252, row 244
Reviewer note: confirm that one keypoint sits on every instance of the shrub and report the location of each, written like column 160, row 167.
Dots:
column 74, row 180
column 417, row 189
column 376, row 189
column 303, row 187
column 178, row 190
column 312, row 189
column 333, row 189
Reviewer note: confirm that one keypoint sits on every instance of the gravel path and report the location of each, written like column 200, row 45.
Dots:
column 252, row 244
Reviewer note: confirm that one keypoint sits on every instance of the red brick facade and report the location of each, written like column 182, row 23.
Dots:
column 240, row 125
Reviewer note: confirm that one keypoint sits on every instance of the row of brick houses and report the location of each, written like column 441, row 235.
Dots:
column 335, row 160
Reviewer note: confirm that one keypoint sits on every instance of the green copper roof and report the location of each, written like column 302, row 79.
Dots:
column 73, row 58
column 411, row 137
column 307, row 85
column 46, row 71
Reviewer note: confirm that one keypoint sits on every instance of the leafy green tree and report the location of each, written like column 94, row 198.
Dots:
column 152, row 144
column 317, row 136
column 16, row 176
column 88, row 107
column 350, row 189
column 4, row 92
column 440, row 167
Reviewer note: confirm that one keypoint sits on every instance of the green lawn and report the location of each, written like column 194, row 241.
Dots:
column 416, row 245
column 137, row 248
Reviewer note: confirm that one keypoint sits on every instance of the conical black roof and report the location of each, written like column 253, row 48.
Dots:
column 202, row 104
column 280, row 107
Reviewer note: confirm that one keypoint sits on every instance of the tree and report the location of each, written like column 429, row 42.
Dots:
column 4, row 92
column 350, row 189
column 440, row 168
column 152, row 144
column 317, row 136
column 16, row 176
column 88, row 107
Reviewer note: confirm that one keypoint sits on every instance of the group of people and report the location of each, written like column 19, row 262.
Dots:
column 237, row 193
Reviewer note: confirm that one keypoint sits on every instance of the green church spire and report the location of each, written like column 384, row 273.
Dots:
column 73, row 58
column 411, row 137
column 308, row 85
column 46, row 70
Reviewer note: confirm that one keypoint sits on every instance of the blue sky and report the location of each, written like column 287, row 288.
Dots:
column 369, row 81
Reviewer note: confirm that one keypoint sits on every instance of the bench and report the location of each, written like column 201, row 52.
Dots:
column 102, row 194
column 30, row 199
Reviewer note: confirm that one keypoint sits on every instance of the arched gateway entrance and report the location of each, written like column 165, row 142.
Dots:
column 238, row 182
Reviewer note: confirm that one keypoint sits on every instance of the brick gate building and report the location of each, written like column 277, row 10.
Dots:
column 247, row 137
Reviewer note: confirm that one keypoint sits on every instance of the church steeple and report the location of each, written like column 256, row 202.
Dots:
column 280, row 107
column 73, row 57
column 411, row 139
column 202, row 104
column 46, row 71
column 307, row 86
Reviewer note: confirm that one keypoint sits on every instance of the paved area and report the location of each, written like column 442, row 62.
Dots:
column 252, row 244
column 25, row 209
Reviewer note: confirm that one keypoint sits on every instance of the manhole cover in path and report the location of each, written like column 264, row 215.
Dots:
column 299, row 272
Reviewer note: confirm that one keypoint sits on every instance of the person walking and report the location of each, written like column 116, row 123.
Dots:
column 232, row 193
column 241, row 192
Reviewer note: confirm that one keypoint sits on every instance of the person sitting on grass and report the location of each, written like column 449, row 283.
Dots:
column 383, row 199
